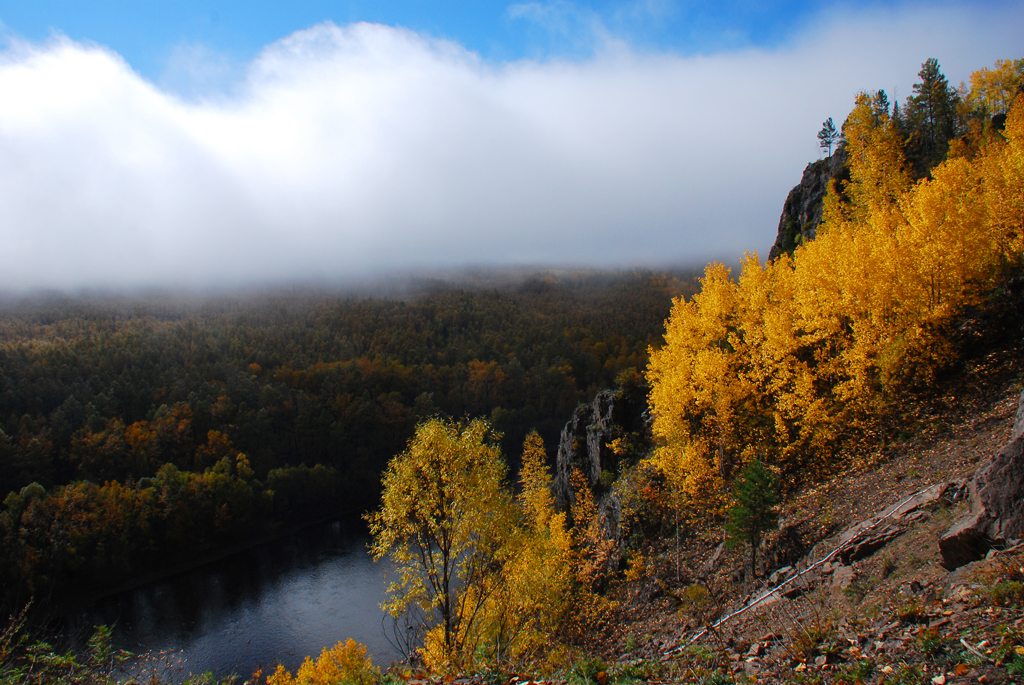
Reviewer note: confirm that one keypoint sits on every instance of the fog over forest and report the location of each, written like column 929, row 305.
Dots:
column 347, row 150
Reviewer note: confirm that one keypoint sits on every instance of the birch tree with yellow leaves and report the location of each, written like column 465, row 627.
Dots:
column 492, row 580
column 443, row 519
column 798, row 353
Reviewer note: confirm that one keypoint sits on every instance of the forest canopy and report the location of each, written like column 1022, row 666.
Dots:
column 141, row 428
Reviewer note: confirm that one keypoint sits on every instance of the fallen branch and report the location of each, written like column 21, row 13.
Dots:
column 974, row 651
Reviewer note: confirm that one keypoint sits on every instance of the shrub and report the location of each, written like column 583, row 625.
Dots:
column 344, row 664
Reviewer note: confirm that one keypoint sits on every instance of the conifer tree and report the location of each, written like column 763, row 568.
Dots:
column 930, row 117
column 880, row 106
column 754, row 512
column 828, row 136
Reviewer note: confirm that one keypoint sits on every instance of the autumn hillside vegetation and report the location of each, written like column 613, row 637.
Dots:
column 765, row 382
column 762, row 385
column 797, row 357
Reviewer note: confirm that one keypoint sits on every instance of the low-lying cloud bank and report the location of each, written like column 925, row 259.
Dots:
column 349, row 150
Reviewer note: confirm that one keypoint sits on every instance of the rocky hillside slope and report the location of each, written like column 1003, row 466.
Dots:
column 863, row 584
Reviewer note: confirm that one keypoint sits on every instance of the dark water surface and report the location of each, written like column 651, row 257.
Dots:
column 278, row 602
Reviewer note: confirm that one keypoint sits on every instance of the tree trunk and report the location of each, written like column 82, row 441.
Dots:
column 677, row 540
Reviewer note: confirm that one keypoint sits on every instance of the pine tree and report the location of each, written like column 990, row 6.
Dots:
column 930, row 116
column 880, row 107
column 754, row 512
column 828, row 136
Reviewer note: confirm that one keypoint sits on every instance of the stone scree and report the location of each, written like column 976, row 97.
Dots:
column 995, row 519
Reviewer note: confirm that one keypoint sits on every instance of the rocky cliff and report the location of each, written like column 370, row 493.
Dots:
column 585, row 446
column 801, row 214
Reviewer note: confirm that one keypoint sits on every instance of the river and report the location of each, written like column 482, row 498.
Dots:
column 276, row 603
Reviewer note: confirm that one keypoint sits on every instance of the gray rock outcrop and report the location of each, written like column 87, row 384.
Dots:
column 995, row 518
column 869, row 536
column 584, row 446
column 801, row 214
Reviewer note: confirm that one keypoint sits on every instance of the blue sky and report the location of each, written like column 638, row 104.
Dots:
column 161, row 143
column 148, row 33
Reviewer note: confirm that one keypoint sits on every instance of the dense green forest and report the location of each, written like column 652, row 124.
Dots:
column 137, row 431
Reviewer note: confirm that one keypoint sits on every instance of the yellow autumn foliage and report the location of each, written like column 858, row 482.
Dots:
column 443, row 520
column 993, row 90
column 344, row 664
column 796, row 353
column 493, row 581
column 524, row 603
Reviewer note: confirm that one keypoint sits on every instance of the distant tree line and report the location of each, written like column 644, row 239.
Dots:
column 132, row 433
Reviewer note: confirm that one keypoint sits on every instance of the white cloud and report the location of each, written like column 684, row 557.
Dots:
column 356, row 148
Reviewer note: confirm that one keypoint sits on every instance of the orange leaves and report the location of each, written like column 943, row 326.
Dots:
column 141, row 437
column 797, row 351
column 218, row 445
column 993, row 90
column 344, row 664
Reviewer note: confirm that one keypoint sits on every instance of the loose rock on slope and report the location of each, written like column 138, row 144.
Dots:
column 996, row 515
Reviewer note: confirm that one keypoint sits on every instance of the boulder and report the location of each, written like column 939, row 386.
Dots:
column 999, row 491
column 995, row 518
column 868, row 536
column 965, row 542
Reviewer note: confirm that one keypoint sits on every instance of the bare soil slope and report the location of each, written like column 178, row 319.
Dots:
column 891, row 614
